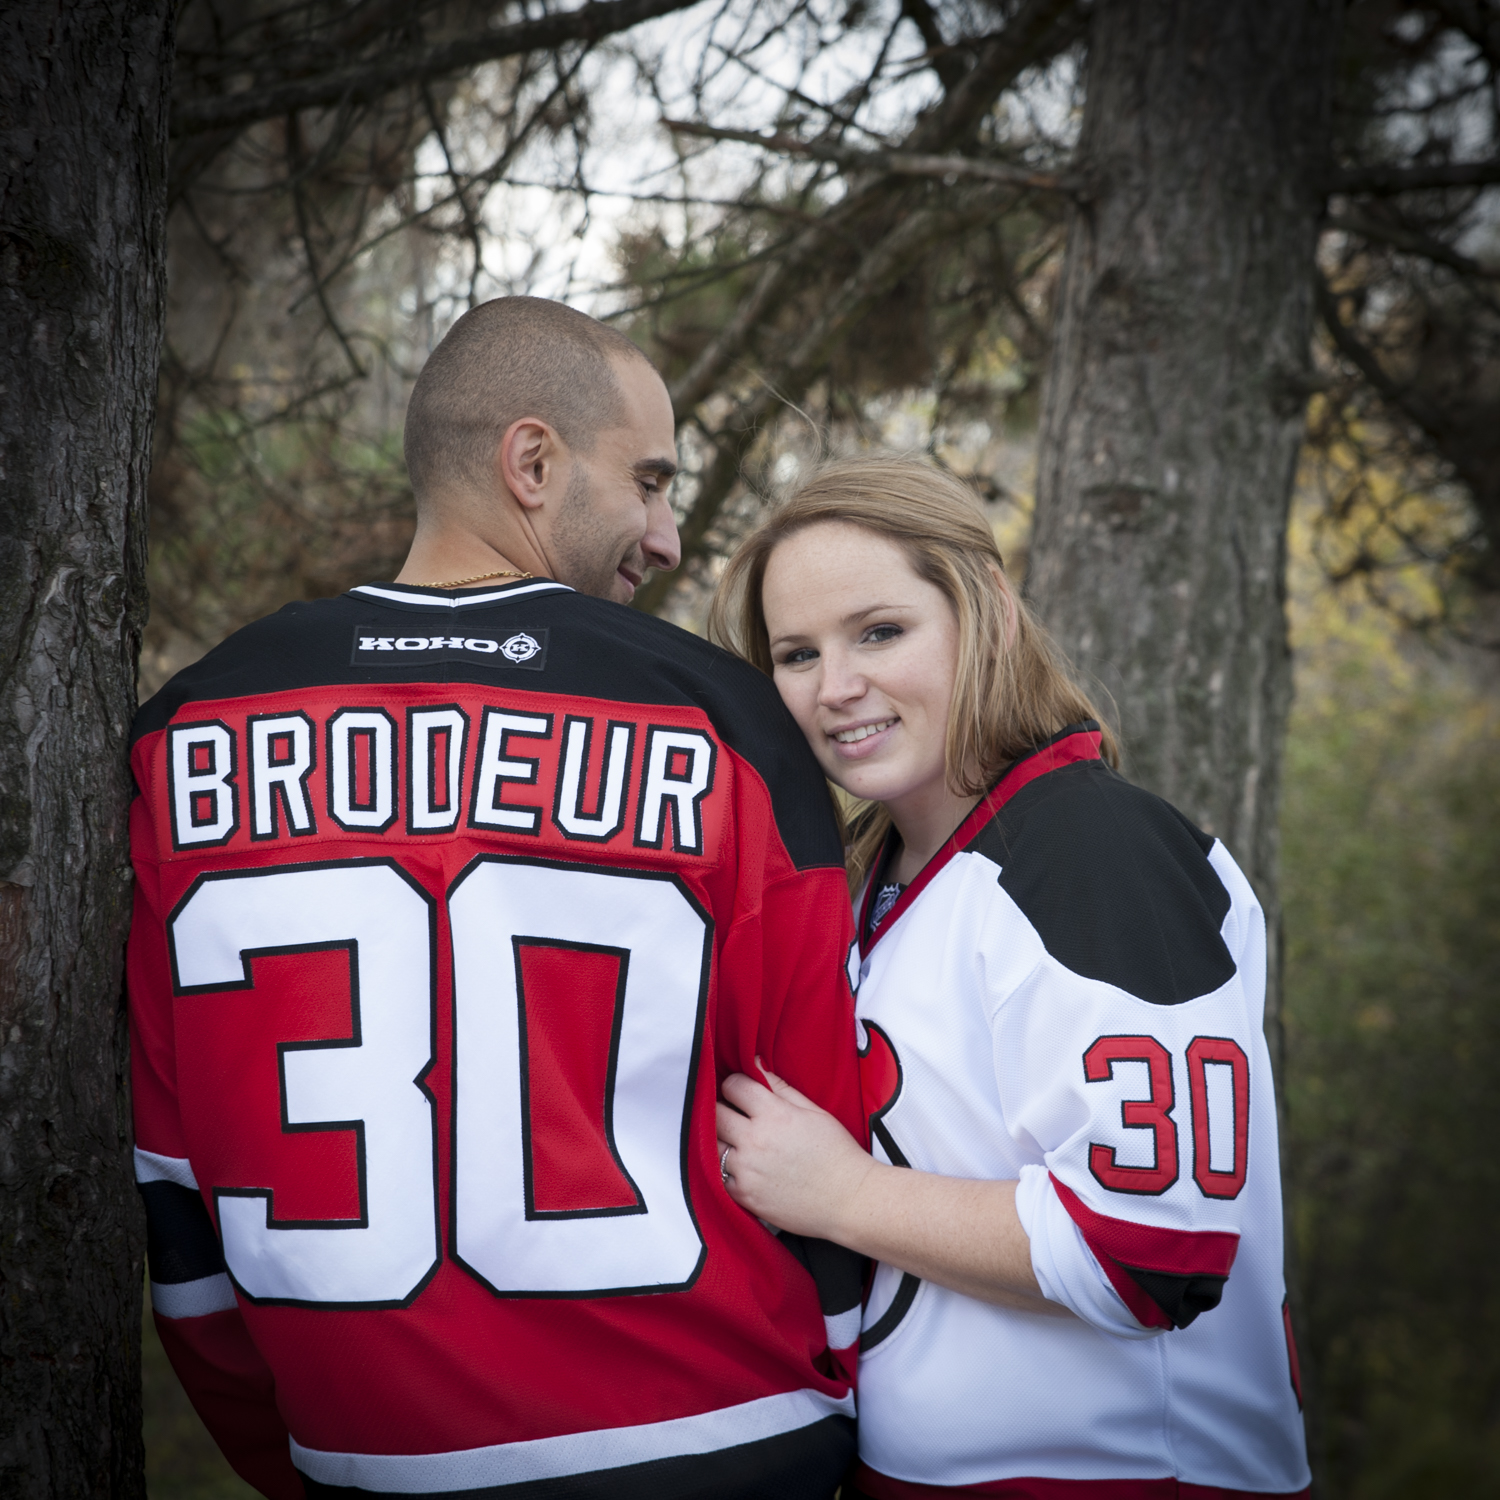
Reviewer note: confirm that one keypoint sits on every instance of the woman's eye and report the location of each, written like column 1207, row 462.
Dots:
column 879, row 634
column 800, row 657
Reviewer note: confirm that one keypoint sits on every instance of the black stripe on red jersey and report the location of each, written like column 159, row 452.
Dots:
column 806, row 1464
column 596, row 649
column 838, row 1273
column 1115, row 881
column 181, row 1244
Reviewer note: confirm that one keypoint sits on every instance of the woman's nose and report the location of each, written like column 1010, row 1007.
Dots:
column 840, row 683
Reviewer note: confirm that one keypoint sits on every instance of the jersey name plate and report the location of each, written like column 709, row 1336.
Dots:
column 376, row 646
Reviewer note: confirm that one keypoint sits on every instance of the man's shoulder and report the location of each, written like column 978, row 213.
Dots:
column 671, row 658
column 293, row 647
column 654, row 660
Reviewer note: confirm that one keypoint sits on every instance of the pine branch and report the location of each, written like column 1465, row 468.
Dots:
column 884, row 264
column 1037, row 32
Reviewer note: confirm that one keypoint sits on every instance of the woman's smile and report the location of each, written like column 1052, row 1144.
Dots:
column 859, row 734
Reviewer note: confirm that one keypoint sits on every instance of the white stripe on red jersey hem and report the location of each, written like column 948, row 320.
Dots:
column 192, row 1299
column 573, row 1452
column 149, row 1167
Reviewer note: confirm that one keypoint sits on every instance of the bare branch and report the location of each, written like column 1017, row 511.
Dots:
column 304, row 227
column 1348, row 343
column 1400, row 237
column 364, row 82
column 1039, row 30
column 1385, row 181
column 892, row 163
column 945, row 60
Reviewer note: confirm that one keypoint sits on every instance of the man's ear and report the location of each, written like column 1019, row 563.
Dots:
column 526, row 462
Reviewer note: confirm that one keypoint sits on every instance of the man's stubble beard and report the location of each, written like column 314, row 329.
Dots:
column 588, row 559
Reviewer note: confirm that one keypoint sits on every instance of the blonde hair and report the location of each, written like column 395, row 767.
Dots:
column 1012, row 690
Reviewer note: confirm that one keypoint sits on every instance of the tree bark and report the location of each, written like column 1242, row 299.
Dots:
column 1173, row 408
column 83, row 111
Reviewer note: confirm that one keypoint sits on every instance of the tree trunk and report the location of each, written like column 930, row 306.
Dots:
column 83, row 109
column 1173, row 408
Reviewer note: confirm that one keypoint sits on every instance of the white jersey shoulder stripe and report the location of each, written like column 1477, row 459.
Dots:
column 433, row 601
column 570, row 1453
column 149, row 1167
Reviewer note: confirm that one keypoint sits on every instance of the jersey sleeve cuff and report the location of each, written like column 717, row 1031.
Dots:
column 1166, row 1277
column 1066, row 1269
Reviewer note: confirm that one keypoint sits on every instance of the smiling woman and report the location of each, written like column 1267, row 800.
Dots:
column 1059, row 983
column 914, row 669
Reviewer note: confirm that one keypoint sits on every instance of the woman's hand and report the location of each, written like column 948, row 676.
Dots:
column 793, row 1165
column 789, row 1162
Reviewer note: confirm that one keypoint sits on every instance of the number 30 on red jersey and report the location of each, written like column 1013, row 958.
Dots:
column 549, row 1199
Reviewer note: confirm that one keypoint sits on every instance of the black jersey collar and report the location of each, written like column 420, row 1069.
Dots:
column 1078, row 742
column 420, row 596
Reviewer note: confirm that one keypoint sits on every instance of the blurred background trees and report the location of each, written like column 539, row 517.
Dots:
column 839, row 225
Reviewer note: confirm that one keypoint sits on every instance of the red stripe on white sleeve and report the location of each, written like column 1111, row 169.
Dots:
column 1149, row 1247
column 1121, row 1246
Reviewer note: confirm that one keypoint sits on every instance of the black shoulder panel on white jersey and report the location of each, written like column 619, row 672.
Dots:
column 1115, row 881
column 595, row 649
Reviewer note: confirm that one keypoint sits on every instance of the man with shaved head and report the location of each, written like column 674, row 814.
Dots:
column 456, row 898
column 540, row 440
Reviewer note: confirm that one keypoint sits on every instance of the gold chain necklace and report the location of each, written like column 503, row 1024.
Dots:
column 458, row 583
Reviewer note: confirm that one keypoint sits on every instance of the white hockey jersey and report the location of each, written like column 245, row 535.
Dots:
column 1070, row 994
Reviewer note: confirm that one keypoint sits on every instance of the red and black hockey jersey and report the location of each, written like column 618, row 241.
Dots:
column 452, row 910
column 1070, row 994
